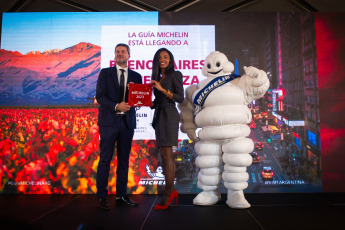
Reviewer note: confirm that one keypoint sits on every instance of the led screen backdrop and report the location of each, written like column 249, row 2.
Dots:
column 49, row 65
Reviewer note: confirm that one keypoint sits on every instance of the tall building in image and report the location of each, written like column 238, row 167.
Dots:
column 287, row 88
column 311, row 92
column 294, row 92
column 291, row 68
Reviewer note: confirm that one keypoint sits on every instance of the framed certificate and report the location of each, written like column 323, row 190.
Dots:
column 140, row 94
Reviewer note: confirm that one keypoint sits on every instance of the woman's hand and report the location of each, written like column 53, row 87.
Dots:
column 158, row 86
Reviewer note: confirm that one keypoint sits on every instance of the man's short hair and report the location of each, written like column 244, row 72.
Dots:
column 125, row 45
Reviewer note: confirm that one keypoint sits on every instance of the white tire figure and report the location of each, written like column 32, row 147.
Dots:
column 219, row 106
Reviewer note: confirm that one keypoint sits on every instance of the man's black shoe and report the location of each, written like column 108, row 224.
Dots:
column 125, row 201
column 103, row 204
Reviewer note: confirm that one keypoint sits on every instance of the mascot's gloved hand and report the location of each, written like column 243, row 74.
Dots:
column 251, row 71
column 258, row 77
column 192, row 135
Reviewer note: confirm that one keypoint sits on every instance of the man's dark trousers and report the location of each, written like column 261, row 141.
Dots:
column 117, row 131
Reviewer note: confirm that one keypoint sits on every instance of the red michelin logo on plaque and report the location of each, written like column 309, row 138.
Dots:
column 140, row 94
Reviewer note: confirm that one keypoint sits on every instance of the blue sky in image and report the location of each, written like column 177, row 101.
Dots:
column 25, row 32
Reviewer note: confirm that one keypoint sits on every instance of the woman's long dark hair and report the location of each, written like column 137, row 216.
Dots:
column 156, row 71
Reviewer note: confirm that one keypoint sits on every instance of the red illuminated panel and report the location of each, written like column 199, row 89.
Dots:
column 330, row 45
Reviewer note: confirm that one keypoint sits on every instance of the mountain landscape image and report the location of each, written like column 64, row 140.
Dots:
column 52, row 77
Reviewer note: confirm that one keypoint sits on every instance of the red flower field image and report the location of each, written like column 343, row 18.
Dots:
column 44, row 151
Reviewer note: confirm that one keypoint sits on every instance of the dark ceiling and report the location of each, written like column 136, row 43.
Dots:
column 172, row 5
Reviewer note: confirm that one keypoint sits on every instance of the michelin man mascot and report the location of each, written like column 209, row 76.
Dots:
column 218, row 106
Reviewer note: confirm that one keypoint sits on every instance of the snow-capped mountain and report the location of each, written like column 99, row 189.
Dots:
column 53, row 77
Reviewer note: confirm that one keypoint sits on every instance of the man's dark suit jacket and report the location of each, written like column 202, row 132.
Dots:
column 107, row 95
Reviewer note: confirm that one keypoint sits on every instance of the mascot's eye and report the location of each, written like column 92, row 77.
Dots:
column 218, row 64
column 209, row 66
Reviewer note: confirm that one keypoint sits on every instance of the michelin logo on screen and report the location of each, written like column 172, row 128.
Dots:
column 157, row 178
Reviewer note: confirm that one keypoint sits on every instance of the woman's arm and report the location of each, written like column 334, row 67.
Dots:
column 177, row 94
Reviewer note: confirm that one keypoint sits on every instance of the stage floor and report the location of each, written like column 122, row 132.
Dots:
column 268, row 211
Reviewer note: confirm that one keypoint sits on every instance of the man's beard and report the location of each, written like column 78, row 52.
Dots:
column 120, row 62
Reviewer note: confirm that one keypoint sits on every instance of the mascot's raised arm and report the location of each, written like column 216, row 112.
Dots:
column 218, row 106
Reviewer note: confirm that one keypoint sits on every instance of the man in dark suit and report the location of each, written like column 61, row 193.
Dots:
column 116, row 121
